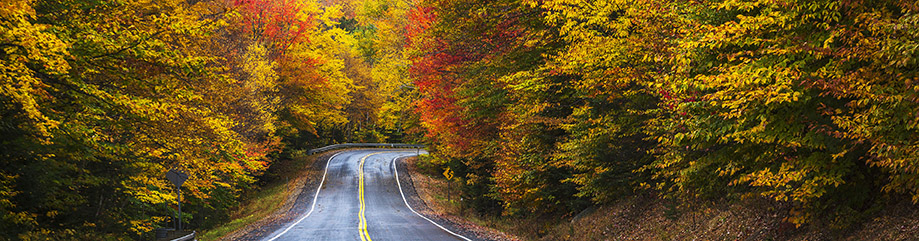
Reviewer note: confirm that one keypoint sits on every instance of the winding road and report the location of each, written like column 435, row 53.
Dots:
column 360, row 198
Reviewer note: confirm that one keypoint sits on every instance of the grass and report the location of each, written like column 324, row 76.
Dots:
column 262, row 203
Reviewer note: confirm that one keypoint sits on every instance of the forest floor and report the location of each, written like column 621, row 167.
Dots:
column 650, row 218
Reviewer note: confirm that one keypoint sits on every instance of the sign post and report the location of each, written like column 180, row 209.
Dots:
column 178, row 177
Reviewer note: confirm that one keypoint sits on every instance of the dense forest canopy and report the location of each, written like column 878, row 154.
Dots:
column 549, row 106
column 541, row 107
column 101, row 98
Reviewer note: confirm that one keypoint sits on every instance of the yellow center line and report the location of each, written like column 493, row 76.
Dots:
column 362, row 225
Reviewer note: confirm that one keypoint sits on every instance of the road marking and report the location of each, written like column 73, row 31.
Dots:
column 396, row 173
column 314, row 198
column 362, row 225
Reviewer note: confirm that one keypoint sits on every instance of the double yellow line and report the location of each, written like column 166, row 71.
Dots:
column 362, row 225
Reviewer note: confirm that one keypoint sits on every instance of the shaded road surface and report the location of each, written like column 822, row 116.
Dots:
column 340, row 212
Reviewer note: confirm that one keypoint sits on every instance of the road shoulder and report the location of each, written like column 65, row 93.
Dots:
column 408, row 176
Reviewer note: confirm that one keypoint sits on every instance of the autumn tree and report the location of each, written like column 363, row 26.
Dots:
column 101, row 98
column 800, row 102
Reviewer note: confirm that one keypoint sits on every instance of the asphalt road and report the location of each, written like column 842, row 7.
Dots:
column 360, row 199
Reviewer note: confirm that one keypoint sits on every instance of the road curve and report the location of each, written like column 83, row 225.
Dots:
column 344, row 208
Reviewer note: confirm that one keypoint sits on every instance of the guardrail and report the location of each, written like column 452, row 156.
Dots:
column 190, row 236
column 365, row 145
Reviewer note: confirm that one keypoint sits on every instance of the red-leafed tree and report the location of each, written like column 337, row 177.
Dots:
column 430, row 67
column 277, row 23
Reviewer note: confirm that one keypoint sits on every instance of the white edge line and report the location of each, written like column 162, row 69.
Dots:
column 396, row 170
column 316, row 197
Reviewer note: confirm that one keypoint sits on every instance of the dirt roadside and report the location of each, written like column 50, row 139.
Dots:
column 420, row 197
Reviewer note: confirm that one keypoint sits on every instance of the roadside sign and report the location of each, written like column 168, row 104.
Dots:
column 448, row 173
column 177, row 177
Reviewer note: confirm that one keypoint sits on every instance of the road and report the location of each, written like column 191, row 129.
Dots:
column 360, row 199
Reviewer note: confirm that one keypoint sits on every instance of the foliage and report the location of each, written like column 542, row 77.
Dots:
column 537, row 106
column 803, row 102
column 99, row 99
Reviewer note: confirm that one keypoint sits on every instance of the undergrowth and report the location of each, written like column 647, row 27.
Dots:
column 647, row 216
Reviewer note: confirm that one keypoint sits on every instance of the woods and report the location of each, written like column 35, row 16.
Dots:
column 544, row 107
column 101, row 98
column 539, row 107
